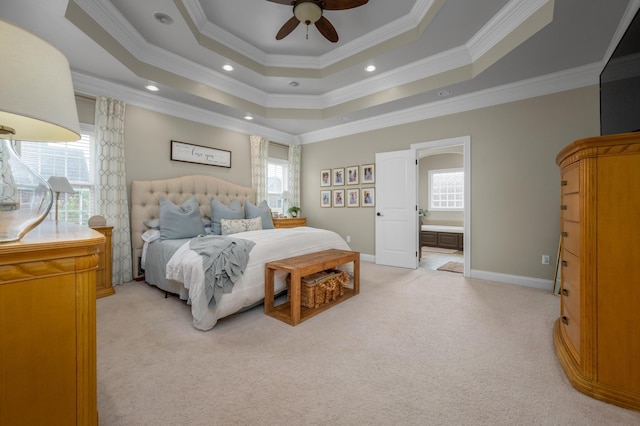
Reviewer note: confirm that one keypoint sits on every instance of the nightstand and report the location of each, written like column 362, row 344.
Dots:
column 289, row 222
column 103, row 278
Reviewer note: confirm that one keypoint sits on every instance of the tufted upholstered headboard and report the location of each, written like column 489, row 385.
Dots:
column 145, row 201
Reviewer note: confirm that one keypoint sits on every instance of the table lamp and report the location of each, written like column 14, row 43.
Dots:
column 59, row 184
column 286, row 195
column 37, row 104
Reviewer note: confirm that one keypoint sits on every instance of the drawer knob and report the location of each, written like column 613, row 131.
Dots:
column 564, row 263
column 563, row 207
column 565, row 320
column 565, row 292
column 563, row 183
column 565, row 234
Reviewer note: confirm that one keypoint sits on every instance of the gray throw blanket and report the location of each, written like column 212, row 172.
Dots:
column 224, row 260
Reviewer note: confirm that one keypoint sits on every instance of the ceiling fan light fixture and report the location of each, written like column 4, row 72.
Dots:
column 307, row 12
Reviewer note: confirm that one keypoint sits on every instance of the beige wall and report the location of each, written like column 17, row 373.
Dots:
column 514, row 178
column 148, row 138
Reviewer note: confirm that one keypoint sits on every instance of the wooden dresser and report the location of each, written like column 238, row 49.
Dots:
column 597, row 337
column 48, row 326
column 289, row 222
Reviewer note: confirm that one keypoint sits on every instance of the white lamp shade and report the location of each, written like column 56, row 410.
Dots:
column 37, row 99
column 60, row 184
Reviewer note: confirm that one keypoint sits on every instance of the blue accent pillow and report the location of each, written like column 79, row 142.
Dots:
column 180, row 221
column 262, row 210
column 220, row 211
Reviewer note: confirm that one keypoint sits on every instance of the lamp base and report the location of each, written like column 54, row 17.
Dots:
column 25, row 197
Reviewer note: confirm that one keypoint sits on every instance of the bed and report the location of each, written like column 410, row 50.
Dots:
column 174, row 267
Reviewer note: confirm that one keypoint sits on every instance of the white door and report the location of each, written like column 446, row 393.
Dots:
column 396, row 215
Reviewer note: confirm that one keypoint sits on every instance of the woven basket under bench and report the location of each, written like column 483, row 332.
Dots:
column 322, row 287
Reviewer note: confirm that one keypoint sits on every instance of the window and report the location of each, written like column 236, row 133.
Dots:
column 446, row 189
column 74, row 160
column 277, row 183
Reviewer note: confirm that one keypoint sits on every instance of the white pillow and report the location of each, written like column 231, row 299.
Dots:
column 233, row 226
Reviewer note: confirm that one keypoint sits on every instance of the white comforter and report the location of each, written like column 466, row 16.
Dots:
column 185, row 266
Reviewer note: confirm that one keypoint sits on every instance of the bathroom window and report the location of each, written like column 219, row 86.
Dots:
column 446, row 189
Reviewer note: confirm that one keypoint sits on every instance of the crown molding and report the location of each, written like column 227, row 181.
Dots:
column 91, row 86
column 552, row 83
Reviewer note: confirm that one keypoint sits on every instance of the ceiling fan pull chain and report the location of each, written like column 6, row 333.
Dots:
column 307, row 32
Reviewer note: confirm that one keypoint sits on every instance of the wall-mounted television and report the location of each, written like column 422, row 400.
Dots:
column 620, row 85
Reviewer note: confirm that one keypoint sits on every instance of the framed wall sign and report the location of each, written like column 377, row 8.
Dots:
column 189, row 153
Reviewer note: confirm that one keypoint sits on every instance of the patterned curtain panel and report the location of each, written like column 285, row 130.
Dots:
column 110, row 183
column 294, row 173
column 259, row 158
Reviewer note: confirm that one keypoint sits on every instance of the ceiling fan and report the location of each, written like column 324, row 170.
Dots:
column 310, row 12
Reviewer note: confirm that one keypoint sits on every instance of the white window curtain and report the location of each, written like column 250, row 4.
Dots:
column 110, row 183
column 294, row 174
column 259, row 158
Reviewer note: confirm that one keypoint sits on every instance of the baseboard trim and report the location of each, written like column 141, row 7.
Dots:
column 519, row 280
column 513, row 279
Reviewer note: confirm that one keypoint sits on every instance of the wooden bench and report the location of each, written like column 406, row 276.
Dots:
column 299, row 266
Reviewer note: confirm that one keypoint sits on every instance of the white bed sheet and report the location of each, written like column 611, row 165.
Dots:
column 271, row 244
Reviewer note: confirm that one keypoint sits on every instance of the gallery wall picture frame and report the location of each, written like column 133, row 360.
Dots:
column 353, row 173
column 338, row 176
column 367, row 173
column 338, row 198
column 325, row 177
column 190, row 153
column 325, row 198
column 353, row 197
column 368, row 197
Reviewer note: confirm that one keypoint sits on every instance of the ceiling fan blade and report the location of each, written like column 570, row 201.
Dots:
column 327, row 30
column 286, row 29
column 287, row 2
column 342, row 4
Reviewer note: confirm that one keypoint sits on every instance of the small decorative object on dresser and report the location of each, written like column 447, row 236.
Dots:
column 597, row 337
column 293, row 211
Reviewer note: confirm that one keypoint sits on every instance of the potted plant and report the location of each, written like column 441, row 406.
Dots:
column 293, row 211
column 424, row 213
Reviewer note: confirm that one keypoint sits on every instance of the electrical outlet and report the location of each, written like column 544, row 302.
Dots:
column 348, row 238
column 545, row 259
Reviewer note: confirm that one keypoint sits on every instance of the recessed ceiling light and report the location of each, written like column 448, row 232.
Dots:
column 152, row 87
column 294, row 84
column 446, row 92
column 227, row 67
column 370, row 68
column 248, row 117
column 163, row 18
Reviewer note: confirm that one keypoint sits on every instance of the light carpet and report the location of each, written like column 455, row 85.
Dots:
column 415, row 347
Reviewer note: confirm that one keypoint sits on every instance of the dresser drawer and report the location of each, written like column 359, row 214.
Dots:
column 571, row 207
column 571, row 326
column 571, row 236
column 571, row 283
column 570, row 180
